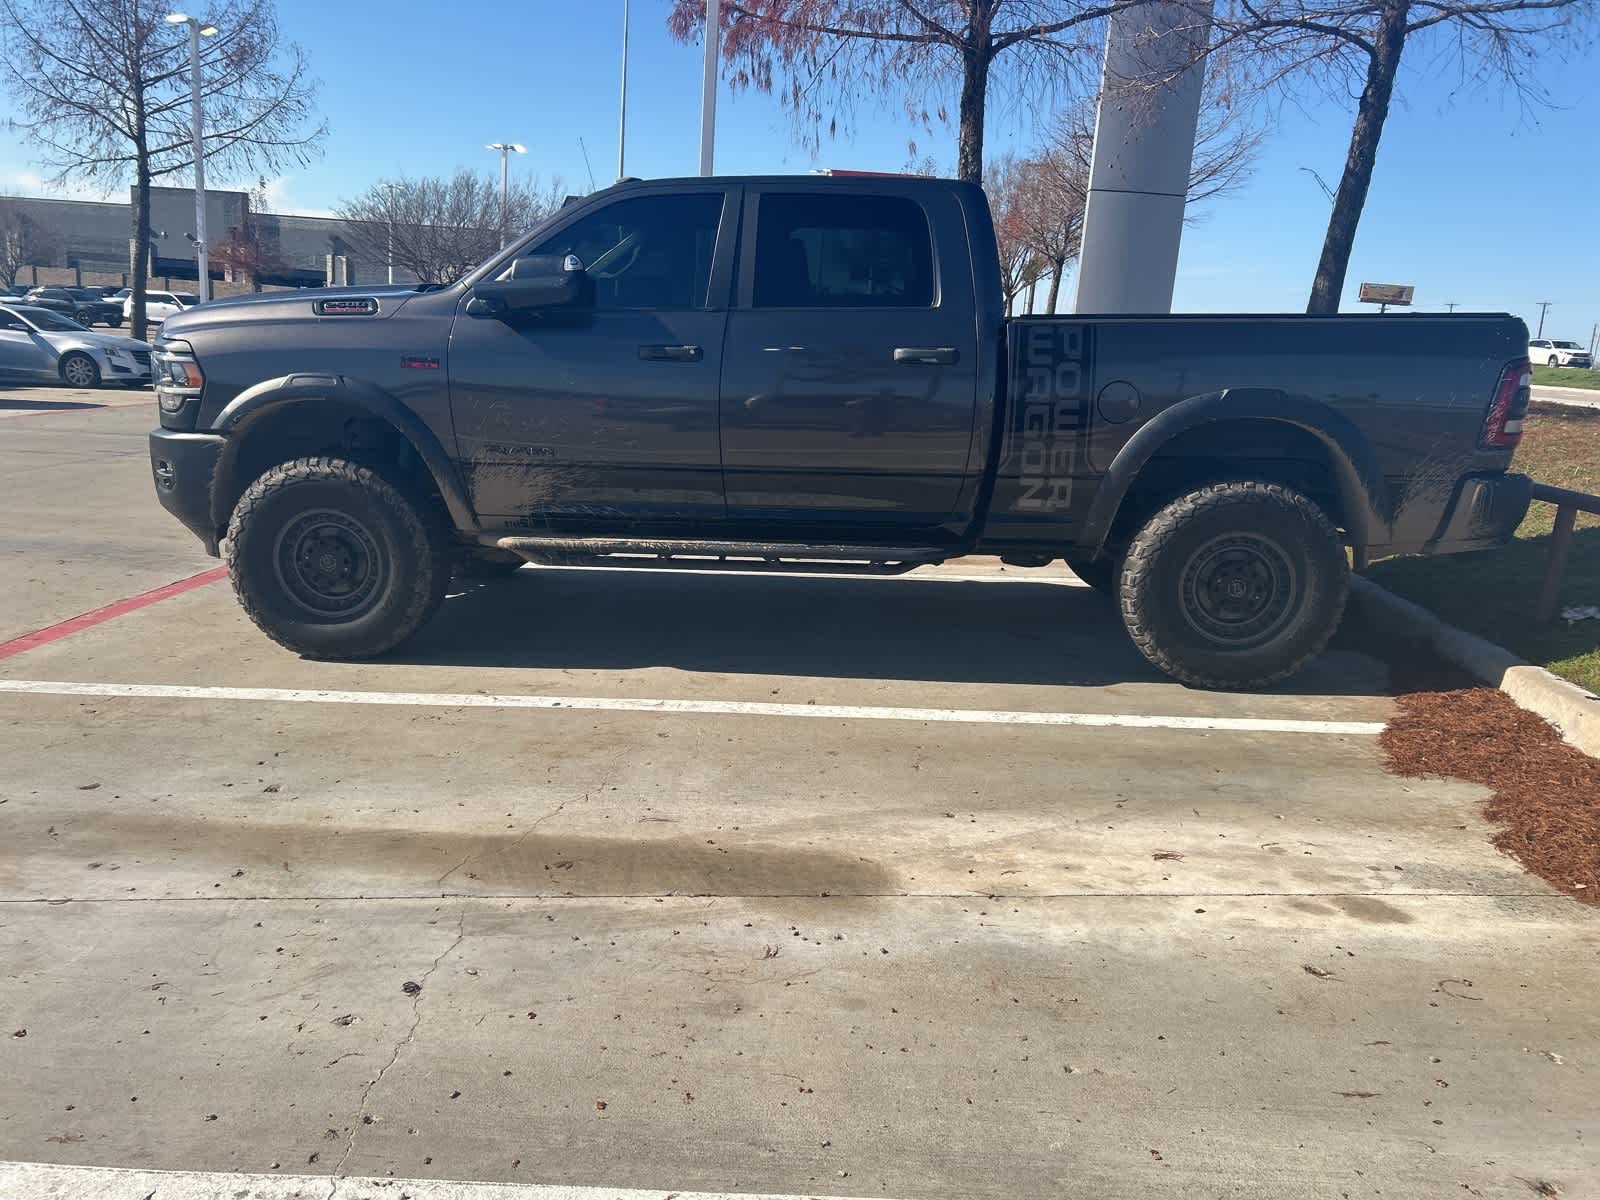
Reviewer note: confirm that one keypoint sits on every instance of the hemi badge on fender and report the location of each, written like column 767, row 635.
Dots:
column 346, row 306
column 419, row 364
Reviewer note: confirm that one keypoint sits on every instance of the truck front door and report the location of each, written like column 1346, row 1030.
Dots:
column 849, row 383
column 610, row 414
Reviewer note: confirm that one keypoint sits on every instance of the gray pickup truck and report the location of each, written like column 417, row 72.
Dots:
column 809, row 373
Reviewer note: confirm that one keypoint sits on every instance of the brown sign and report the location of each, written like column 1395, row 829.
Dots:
column 1386, row 293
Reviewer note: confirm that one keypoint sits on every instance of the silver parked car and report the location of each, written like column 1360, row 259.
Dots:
column 43, row 346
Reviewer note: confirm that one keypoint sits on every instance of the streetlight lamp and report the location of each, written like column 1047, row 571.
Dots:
column 389, row 190
column 506, row 150
column 197, row 30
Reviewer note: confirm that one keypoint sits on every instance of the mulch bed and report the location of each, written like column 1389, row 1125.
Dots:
column 1546, row 793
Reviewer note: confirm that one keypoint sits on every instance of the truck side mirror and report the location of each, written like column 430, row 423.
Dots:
column 536, row 283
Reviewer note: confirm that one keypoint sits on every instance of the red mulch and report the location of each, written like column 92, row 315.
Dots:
column 1546, row 793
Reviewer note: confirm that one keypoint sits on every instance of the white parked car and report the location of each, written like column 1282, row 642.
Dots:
column 158, row 306
column 41, row 346
column 1550, row 352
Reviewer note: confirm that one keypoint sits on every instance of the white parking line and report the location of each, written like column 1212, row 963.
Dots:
column 45, row 1181
column 721, row 708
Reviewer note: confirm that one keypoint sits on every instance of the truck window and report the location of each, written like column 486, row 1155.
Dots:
column 646, row 252
column 817, row 251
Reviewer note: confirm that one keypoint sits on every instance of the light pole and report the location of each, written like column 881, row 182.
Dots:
column 1544, row 305
column 622, row 121
column 708, row 85
column 197, row 30
column 506, row 150
column 389, row 189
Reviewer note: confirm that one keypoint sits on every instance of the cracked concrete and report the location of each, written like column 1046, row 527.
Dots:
column 399, row 1047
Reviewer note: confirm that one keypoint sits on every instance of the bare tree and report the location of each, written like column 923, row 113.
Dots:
column 245, row 256
column 439, row 228
column 103, row 90
column 1006, row 182
column 1055, row 182
column 1339, row 42
column 820, row 55
column 24, row 242
column 1050, row 213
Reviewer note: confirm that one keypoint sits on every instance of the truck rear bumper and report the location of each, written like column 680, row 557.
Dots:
column 1485, row 512
column 183, row 465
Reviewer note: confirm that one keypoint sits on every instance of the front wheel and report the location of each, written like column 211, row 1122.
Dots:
column 1554, row 361
column 114, row 322
column 1236, row 585
column 79, row 370
column 333, row 561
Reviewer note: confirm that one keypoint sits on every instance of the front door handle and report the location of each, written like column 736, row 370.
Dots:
column 671, row 353
column 927, row 356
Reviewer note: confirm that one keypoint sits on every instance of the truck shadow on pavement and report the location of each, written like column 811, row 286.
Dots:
column 908, row 628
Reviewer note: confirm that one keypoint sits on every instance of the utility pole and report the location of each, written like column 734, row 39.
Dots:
column 389, row 190
column 197, row 30
column 708, row 85
column 1543, row 305
column 622, row 120
column 506, row 150
column 1450, row 305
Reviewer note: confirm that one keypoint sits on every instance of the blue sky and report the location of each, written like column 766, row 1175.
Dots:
column 1474, row 201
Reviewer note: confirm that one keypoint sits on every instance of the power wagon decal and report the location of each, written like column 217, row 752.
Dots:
column 1050, row 362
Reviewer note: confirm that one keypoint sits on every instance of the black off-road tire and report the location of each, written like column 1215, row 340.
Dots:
column 1237, row 585
column 333, row 561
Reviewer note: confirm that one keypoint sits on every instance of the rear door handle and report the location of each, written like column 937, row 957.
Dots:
column 927, row 356
column 671, row 353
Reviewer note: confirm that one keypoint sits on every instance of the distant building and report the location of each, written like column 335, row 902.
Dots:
column 93, row 244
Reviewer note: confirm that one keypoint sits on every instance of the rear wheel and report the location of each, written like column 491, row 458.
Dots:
column 79, row 370
column 333, row 561
column 1236, row 585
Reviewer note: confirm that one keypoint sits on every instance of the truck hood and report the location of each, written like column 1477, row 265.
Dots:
column 292, row 306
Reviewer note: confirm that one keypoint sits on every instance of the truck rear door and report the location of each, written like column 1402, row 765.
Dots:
column 849, row 376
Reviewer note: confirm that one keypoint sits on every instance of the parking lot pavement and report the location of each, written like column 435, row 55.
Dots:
column 919, row 887
column 74, row 532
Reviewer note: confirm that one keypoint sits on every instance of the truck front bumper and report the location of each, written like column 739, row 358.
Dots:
column 1485, row 512
column 183, row 465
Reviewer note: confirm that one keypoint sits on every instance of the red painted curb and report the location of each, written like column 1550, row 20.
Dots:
column 117, row 608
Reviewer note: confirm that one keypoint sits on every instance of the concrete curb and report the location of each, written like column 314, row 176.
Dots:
column 1570, row 708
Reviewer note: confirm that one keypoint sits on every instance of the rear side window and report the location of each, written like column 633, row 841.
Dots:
column 842, row 251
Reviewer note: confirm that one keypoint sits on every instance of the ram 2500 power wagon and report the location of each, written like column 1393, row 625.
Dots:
column 818, row 373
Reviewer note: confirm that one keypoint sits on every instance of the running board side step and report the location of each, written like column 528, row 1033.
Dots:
column 717, row 555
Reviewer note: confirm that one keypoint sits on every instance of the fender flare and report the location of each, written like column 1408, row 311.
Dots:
column 1362, row 490
column 243, row 409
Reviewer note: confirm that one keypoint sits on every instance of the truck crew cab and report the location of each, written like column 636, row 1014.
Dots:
column 809, row 373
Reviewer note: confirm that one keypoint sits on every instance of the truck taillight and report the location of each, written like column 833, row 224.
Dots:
column 1502, row 428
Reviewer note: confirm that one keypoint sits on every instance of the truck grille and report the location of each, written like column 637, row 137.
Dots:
column 142, row 357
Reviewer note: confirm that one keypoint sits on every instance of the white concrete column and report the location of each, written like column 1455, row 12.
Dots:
column 1143, row 149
